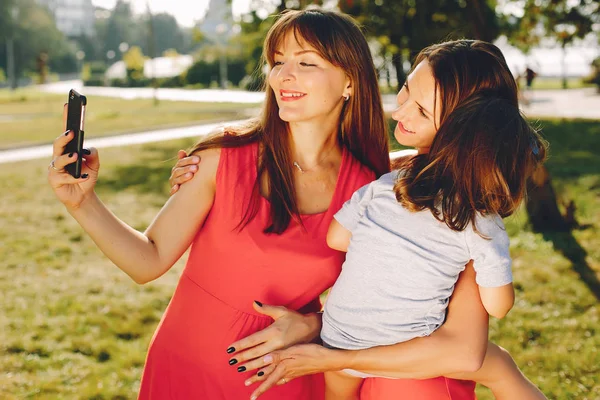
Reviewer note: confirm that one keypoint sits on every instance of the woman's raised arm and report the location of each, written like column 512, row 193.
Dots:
column 146, row 256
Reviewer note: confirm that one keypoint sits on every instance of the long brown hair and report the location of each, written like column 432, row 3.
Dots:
column 484, row 149
column 362, row 129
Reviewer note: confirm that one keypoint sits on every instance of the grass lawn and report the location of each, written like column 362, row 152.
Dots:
column 28, row 117
column 542, row 82
column 74, row 326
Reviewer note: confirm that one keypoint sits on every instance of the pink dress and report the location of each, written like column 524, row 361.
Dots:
column 227, row 270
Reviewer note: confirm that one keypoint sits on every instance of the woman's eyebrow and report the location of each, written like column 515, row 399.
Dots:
column 298, row 53
column 422, row 108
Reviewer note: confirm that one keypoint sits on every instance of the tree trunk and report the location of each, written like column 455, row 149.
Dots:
column 542, row 206
column 398, row 62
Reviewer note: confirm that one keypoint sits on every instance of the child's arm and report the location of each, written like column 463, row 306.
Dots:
column 502, row 376
column 497, row 300
column 338, row 237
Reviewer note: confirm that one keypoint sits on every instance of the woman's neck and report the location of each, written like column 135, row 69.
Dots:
column 313, row 144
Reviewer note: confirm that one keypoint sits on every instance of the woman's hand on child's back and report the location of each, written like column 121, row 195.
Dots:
column 183, row 171
column 71, row 191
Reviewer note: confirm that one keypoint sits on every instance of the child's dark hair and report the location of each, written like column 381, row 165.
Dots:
column 479, row 162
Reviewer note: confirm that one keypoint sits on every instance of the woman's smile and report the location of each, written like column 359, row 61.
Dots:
column 290, row 95
column 403, row 130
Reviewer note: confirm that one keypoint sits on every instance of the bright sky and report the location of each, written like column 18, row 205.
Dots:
column 185, row 11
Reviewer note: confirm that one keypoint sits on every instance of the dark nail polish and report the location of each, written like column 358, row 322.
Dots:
column 70, row 155
column 84, row 176
column 260, row 373
column 230, row 350
column 241, row 369
column 233, row 361
column 258, row 303
column 87, row 152
column 66, row 133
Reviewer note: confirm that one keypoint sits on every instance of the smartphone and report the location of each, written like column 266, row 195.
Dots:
column 75, row 119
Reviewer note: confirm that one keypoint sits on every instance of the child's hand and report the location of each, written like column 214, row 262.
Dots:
column 183, row 171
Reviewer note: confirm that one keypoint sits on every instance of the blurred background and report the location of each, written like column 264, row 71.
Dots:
column 160, row 73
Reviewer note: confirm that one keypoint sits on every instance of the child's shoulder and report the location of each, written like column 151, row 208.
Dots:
column 490, row 225
column 387, row 180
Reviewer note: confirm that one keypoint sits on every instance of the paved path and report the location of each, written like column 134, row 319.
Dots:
column 572, row 103
column 45, row 151
column 199, row 95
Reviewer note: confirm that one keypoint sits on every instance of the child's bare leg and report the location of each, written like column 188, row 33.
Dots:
column 501, row 375
column 341, row 386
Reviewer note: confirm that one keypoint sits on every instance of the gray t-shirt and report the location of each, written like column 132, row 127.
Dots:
column 401, row 268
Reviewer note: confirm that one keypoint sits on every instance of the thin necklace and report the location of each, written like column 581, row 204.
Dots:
column 303, row 170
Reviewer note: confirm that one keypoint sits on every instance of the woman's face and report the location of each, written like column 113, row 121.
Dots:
column 306, row 86
column 417, row 118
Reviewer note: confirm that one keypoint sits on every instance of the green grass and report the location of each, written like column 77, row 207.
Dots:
column 546, row 83
column 28, row 117
column 74, row 326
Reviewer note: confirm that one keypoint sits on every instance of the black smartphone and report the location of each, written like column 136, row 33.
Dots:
column 75, row 118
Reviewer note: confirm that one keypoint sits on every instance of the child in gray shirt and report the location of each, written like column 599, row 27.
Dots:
column 409, row 234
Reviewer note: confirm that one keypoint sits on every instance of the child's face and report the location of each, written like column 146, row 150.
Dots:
column 417, row 118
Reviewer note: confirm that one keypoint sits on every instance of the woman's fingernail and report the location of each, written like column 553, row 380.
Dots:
column 260, row 373
column 193, row 168
column 258, row 303
column 231, row 349
column 84, row 176
column 233, row 361
column 195, row 159
column 241, row 369
column 70, row 155
column 253, row 398
column 87, row 152
column 247, row 383
column 66, row 133
column 268, row 359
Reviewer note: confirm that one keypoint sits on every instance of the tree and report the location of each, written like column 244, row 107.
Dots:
column 404, row 27
column 564, row 21
column 561, row 20
column 35, row 33
column 120, row 28
column 134, row 63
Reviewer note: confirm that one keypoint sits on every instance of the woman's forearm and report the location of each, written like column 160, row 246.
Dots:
column 457, row 346
column 127, row 248
column 419, row 358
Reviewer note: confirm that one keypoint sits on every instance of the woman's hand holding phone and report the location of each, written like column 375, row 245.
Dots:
column 72, row 192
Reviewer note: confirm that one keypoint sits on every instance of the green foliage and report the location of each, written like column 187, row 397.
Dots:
column 206, row 69
column 404, row 27
column 34, row 32
column 2, row 76
column 134, row 63
column 595, row 75
column 563, row 20
column 203, row 72
column 92, row 73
